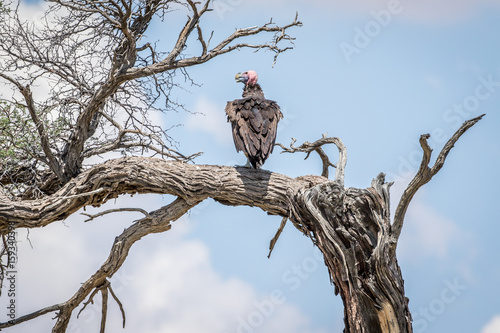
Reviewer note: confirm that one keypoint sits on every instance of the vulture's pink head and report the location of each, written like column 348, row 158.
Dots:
column 248, row 77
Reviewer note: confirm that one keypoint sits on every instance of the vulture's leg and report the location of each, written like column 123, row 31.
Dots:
column 248, row 165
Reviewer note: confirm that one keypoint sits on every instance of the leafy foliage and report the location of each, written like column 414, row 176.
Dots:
column 22, row 160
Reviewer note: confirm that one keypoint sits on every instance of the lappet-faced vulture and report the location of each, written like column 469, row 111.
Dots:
column 254, row 120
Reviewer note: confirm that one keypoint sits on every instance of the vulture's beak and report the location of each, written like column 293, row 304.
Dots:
column 239, row 78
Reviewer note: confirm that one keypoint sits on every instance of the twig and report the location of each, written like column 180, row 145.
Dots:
column 308, row 147
column 202, row 41
column 115, row 210
column 118, row 302
column 275, row 238
column 32, row 315
column 170, row 62
column 89, row 301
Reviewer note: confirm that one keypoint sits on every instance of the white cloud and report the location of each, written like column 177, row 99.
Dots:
column 429, row 232
column 183, row 292
column 493, row 326
column 167, row 284
column 426, row 232
column 210, row 118
column 34, row 12
column 179, row 291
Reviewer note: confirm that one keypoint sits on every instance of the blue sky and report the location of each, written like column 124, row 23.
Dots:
column 426, row 68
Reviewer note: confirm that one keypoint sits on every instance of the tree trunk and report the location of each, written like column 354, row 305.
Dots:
column 350, row 226
column 352, row 229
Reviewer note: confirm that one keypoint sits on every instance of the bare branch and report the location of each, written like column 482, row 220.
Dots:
column 90, row 300
column 117, row 302
column 32, row 315
column 223, row 47
column 104, row 293
column 159, row 221
column 202, row 41
column 316, row 146
column 133, row 175
column 109, row 211
column 425, row 174
column 104, row 312
column 185, row 33
column 124, row 141
column 275, row 238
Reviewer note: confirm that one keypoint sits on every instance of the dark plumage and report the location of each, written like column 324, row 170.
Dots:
column 254, row 120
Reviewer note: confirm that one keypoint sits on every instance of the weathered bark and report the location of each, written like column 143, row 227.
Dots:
column 352, row 227
column 130, row 175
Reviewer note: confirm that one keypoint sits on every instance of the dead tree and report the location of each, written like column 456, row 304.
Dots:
column 99, row 102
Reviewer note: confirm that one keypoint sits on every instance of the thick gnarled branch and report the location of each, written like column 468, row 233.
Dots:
column 131, row 175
